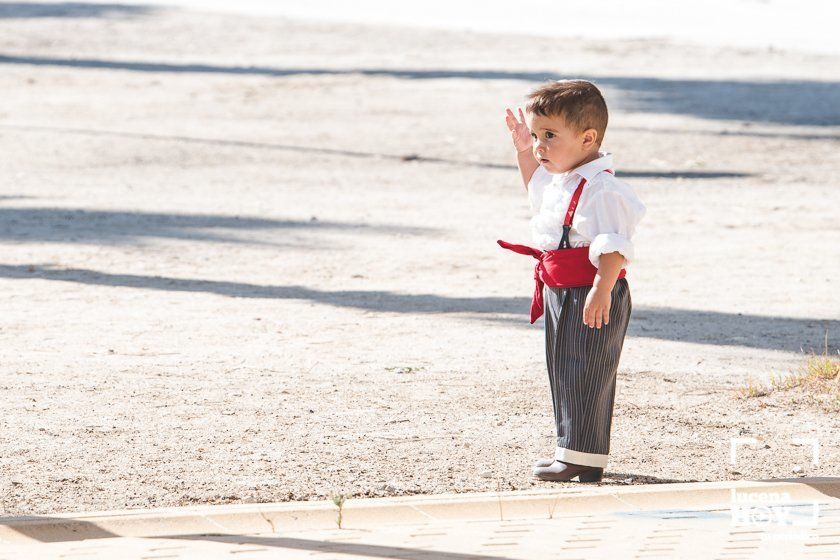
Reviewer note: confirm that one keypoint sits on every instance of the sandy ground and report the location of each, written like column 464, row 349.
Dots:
column 252, row 259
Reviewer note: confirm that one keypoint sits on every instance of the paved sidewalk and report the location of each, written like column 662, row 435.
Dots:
column 727, row 520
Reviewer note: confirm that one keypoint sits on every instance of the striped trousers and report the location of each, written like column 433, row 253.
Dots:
column 582, row 364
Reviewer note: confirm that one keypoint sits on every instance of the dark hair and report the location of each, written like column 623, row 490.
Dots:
column 578, row 102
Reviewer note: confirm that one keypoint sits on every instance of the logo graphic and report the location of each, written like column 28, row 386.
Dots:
column 773, row 508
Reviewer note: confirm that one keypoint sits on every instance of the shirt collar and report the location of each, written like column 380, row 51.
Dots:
column 589, row 170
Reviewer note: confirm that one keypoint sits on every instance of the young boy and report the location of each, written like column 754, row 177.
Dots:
column 570, row 181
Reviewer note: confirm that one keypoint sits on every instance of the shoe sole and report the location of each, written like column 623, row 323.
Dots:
column 594, row 476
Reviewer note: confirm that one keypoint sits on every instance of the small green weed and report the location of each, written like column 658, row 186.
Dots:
column 338, row 500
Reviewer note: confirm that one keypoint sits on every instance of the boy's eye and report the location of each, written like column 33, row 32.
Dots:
column 534, row 136
column 549, row 135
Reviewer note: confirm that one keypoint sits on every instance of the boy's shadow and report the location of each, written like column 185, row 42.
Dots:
column 620, row 477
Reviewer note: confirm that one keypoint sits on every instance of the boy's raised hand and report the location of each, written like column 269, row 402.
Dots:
column 519, row 131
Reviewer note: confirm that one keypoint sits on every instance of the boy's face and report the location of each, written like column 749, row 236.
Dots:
column 558, row 147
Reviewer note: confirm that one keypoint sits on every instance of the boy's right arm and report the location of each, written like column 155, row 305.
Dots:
column 522, row 141
column 527, row 165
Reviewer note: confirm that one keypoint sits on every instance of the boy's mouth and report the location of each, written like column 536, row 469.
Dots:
column 543, row 160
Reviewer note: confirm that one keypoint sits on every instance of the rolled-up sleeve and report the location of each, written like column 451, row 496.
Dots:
column 610, row 243
column 610, row 223
column 536, row 187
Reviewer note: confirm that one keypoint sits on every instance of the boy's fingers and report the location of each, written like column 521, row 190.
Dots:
column 510, row 120
column 522, row 115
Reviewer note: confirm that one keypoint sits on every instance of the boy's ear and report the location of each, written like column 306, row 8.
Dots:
column 590, row 137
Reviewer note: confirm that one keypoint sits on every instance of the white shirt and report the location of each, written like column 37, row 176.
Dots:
column 606, row 216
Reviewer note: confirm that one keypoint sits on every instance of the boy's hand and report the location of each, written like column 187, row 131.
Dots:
column 519, row 131
column 596, row 310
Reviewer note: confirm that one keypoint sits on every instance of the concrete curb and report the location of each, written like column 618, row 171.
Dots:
column 359, row 513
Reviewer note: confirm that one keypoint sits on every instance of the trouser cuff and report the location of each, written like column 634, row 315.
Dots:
column 580, row 458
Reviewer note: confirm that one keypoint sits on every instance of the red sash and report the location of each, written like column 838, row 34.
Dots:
column 559, row 268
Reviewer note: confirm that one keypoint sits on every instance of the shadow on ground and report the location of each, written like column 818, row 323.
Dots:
column 620, row 477
column 411, row 158
column 350, row 549
column 788, row 102
column 61, row 225
column 828, row 485
column 702, row 327
column 30, row 10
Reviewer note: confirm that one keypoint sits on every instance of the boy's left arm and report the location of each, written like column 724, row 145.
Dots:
column 596, row 310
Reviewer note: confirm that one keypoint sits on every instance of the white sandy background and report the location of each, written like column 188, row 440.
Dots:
column 803, row 25
column 251, row 258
